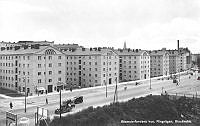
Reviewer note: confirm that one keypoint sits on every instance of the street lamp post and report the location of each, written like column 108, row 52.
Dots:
column 106, row 73
column 59, row 87
column 60, row 102
column 150, row 83
column 25, row 95
column 116, row 93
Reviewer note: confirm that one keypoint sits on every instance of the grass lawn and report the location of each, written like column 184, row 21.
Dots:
column 10, row 93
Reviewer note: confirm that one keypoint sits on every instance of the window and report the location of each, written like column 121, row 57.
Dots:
column 39, row 57
column 50, row 57
column 39, row 73
column 59, row 79
column 95, row 63
column 50, row 80
column 59, row 72
column 95, row 75
column 39, row 65
column 39, row 81
column 59, row 64
column 59, row 57
column 50, row 72
column 50, row 64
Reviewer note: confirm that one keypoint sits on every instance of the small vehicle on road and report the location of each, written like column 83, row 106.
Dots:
column 198, row 78
column 64, row 109
column 175, row 80
column 77, row 100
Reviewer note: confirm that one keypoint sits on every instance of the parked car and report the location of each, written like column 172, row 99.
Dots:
column 78, row 100
column 175, row 80
column 64, row 109
column 68, row 102
column 198, row 78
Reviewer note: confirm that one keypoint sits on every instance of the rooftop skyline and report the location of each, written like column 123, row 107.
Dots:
column 142, row 24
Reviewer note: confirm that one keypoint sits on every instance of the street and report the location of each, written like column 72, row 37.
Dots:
column 97, row 96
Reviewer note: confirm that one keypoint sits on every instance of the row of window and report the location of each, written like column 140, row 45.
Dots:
column 50, row 65
column 50, row 73
column 95, row 75
column 7, row 78
column 7, row 85
column 90, row 57
column 7, row 71
column 49, row 57
column 71, row 79
column 49, row 80
column 90, row 63
column 134, row 57
column 90, row 69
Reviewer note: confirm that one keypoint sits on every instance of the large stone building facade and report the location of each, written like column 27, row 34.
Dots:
column 133, row 64
column 39, row 67
column 91, row 67
column 174, row 61
column 159, row 63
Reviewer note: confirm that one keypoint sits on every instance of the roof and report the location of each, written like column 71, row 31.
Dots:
column 173, row 52
column 89, row 51
column 129, row 52
column 28, row 50
column 158, row 52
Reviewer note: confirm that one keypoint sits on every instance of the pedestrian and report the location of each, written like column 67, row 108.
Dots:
column 46, row 101
column 177, row 83
column 11, row 105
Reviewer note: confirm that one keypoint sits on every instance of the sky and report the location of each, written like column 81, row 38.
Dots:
column 142, row 24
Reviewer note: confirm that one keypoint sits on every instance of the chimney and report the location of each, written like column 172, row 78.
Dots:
column 178, row 44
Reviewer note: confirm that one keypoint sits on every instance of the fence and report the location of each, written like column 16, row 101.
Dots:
column 178, row 95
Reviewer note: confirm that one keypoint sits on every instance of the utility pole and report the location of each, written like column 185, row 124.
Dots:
column 116, row 93
column 106, row 74
column 25, row 95
column 60, row 102
column 150, row 83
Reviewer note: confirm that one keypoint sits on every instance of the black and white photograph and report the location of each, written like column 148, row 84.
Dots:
column 99, row 62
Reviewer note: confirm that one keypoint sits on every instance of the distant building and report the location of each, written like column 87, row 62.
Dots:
column 88, row 67
column 39, row 67
column 36, row 42
column 159, row 63
column 133, row 64
column 185, row 59
column 8, row 44
column 67, row 47
column 173, row 61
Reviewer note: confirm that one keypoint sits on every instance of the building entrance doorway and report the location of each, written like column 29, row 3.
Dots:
column 110, row 81
column 50, row 88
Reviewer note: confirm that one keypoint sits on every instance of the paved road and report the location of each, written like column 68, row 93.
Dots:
column 96, row 96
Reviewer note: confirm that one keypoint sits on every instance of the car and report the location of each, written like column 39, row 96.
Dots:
column 198, row 78
column 64, row 109
column 175, row 81
column 68, row 102
column 78, row 100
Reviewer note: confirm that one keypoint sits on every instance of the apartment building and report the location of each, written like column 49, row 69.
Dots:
column 133, row 64
column 159, row 60
column 65, row 47
column 8, row 44
column 88, row 67
column 173, row 61
column 34, row 67
column 185, row 59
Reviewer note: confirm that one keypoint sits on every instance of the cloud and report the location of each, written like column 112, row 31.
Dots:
column 146, row 24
